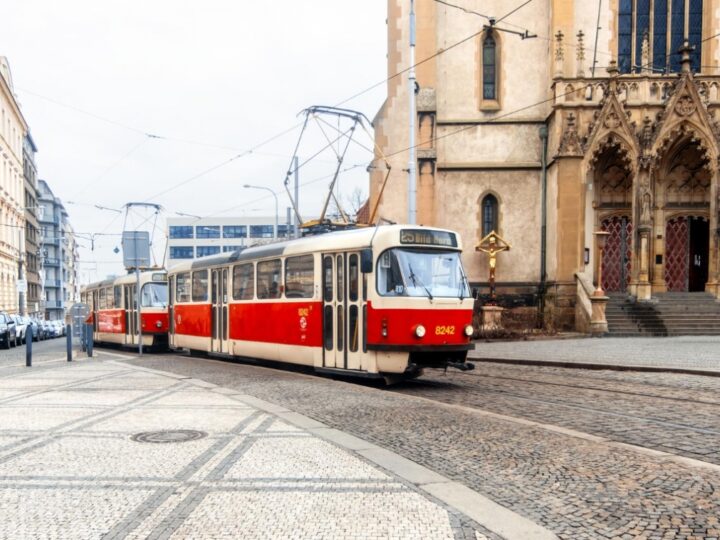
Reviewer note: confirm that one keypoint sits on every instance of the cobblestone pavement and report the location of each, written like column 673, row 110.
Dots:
column 575, row 486
column 70, row 468
column 685, row 352
column 678, row 414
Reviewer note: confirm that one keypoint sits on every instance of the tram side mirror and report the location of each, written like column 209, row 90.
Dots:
column 366, row 261
column 476, row 293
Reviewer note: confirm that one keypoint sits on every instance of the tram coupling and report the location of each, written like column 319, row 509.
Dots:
column 462, row 366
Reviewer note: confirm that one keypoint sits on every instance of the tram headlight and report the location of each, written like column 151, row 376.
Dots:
column 469, row 330
column 420, row 331
column 158, row 324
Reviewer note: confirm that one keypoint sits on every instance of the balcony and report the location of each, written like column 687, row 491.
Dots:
column 54, row 304
column 53, row 283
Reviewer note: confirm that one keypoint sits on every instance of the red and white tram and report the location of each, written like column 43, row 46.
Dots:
column 376, row 302
column 114, row 313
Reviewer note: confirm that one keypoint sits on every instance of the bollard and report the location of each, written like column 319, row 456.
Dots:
column 68, row 331
column 28, row 346
column 89, row 342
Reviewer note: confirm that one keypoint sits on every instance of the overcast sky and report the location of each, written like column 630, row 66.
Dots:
column 214, row 78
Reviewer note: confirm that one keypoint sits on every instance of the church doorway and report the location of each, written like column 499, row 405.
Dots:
column 687, row 249
column 617, row 255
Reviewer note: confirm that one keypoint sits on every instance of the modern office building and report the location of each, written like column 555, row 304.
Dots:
column 59, row 254
column 189, row 238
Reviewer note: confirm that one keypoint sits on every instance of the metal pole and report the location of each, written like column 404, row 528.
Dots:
column 412, row 187
column 297, row 197
column 68, row 341
column 28, row 345
column 139, row 318
column 89, row 342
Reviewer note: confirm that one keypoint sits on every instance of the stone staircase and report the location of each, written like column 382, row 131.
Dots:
column 668, row 314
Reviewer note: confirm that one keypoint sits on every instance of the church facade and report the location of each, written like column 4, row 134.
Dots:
column 552, row 123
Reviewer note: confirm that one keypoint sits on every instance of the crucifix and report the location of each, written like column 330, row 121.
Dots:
column 492, row 244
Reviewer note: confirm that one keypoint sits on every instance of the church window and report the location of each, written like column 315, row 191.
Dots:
column 488, row 62
column 667, row 24
column 489, row 68
column 489, row 214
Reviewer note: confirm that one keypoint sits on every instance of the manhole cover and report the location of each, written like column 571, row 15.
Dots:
column 170, row 436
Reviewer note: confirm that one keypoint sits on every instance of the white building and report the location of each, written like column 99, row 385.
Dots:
column 12, row 190
column 189, row 238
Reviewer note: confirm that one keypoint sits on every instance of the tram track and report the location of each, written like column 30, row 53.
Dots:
column 598, row 389
column 406, row 390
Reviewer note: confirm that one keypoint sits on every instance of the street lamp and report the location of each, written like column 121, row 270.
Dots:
column 248, row 186
column 601, row 237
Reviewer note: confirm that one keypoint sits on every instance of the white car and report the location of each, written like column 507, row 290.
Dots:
column 20, row 329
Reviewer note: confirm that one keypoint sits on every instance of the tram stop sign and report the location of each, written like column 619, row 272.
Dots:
column 79, row 314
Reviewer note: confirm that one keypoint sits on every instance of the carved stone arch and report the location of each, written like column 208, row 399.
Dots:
column 685, row 114
column 611, row 128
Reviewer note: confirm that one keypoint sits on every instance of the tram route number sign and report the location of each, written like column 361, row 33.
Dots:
column 431, row 238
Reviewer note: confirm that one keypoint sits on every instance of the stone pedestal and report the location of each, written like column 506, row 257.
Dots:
column 491, row 318
column 598, row 323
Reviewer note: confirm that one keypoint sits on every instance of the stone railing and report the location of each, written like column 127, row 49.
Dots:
column 589, row 308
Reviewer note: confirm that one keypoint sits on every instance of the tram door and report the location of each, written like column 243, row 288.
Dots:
column 342, row 311
column 219, row 299
column 131, row 319
column 171, row 311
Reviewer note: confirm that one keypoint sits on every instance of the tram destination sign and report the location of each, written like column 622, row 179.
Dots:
column 428, row 238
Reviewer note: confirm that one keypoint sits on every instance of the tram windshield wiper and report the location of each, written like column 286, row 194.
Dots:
column 415, row 280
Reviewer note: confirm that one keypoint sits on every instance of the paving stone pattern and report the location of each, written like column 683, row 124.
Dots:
column 683, row 352
column 69, row 468
column 573, row 486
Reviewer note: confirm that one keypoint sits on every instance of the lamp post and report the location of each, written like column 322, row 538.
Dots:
column 275, row 231
column 601, row 238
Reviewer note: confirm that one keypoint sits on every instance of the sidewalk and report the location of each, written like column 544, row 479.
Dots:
column 687, row 354
column 104, row 449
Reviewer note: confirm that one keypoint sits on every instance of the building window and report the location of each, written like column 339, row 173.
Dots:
column 489, row 71
column 181, row 231
column 261, row 231
column 231, row 248
column 634, row 23
column 489, row 214
column 234, row 231
column 181, row 252
column 207, row 231
column 204, row 251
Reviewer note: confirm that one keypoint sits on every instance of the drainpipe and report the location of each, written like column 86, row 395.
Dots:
column 543, row 226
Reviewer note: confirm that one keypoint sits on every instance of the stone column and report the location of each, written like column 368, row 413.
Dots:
column 713, row 284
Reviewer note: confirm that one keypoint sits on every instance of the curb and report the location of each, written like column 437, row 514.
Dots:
column 596, row 366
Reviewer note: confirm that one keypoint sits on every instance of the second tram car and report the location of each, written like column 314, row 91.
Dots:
column 379, row 302
column 114, row 312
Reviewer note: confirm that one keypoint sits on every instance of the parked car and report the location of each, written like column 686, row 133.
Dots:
column 20, row 329
column 8, row 333
column 47, row 329
column 57, row 328
column 33, row 323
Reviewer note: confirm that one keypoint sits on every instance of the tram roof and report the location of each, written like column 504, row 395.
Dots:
column 127, row 278
column 331, row 241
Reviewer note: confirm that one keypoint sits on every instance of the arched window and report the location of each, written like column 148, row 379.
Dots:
column 489, row 68
column 489, row 214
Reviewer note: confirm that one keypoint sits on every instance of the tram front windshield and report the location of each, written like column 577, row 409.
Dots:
column 408, row 272
column 154, row 295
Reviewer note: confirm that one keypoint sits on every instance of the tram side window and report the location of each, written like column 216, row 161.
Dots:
column 269, row 274
column 182, row 291
column 117, row 290
column 243, row 282
column 101, row 299
column 200, row 286
column 109, row 298
column 299, row 276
